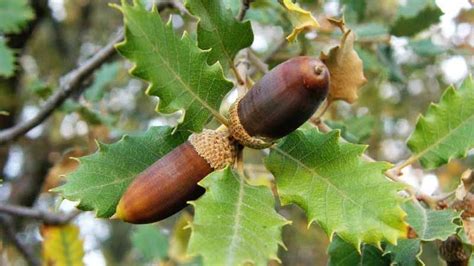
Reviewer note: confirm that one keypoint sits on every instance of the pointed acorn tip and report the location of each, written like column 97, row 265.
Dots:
column 119, row 212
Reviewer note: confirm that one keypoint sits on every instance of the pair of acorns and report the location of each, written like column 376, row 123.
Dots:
column 278, row 104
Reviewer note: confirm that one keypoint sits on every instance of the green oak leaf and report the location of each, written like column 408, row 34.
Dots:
column 235, row 223
column 7, row 60
column 150, row 242
column 14, row 14
column 342, row 253
column 175, row 67
column 431, row 224
column 219, row 31
column 415, row 16
column 446, row 131
column 101, row 178
column 336, row 188
column 406, row 253
column 354, row 129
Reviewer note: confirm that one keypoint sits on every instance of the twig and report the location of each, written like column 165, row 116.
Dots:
column 44, row 216
column 257, row 62
column 242, row 67
column 244, row 6
column 412, row 159
column 68, row 84
column 10, row 233
column 268, row 56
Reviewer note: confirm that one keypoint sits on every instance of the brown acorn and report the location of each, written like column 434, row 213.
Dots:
column 453, row 252
column 280, row 102
column 166, row 186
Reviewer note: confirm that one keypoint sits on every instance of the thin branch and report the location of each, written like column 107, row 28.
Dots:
column 46, row 217
column 68, row 84
column 411, row 160
column 244, row 6
column 257, row 62
column 268, row 56
column 10, row 233
column 242, row 67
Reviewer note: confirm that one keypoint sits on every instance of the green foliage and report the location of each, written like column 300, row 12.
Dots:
column 219, row 31
column 14, row 14
column 446, row 130
column 431, row 224
column 7, row 59
column 344, row 254
column 175, row 67
column 150, row 242
column 415, row 16
column 354, row 129
column 371, row 30
column 386, row 57
column 102, row 78
column 102, row 177
column 357, row 6
column 426, row 47
column 406, row 252
column 234, row 222
column 89, row 115
column 268, row 12
column 335, row 187
column 40, row 88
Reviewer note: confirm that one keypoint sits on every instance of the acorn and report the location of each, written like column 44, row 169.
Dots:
column 166, row 186
column 280, row 102
column 453, row 252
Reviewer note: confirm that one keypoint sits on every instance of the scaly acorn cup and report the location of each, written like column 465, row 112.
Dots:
column 164, row 188
column 280, row 102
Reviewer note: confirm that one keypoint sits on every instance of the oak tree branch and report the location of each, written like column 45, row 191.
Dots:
column 45, row 216
column 69, row 83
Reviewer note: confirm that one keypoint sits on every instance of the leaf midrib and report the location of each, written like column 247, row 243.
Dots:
column 328, row 183
column 441, row 140
column 178, row 77
column 220, row 42
column 236, row 226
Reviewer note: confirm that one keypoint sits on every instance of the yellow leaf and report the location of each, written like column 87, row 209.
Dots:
column 345, row 66
column 62, row 246
column 179, row 239
column 300, row 19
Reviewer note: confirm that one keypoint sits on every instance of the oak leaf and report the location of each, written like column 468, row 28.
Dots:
column 300, row 19
column 345, row 66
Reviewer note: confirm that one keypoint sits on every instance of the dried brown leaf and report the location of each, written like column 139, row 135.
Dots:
column 467, row 180
column 345, row 66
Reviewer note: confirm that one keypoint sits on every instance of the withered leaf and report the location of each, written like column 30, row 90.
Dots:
column 345, row 66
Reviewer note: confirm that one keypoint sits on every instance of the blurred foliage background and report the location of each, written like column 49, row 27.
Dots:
column 412, row 50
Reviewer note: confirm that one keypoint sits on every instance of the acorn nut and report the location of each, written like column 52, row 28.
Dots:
column 166, row 186
column 280, row 102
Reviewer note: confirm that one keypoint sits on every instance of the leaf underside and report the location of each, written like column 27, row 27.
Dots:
column 431, row 224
